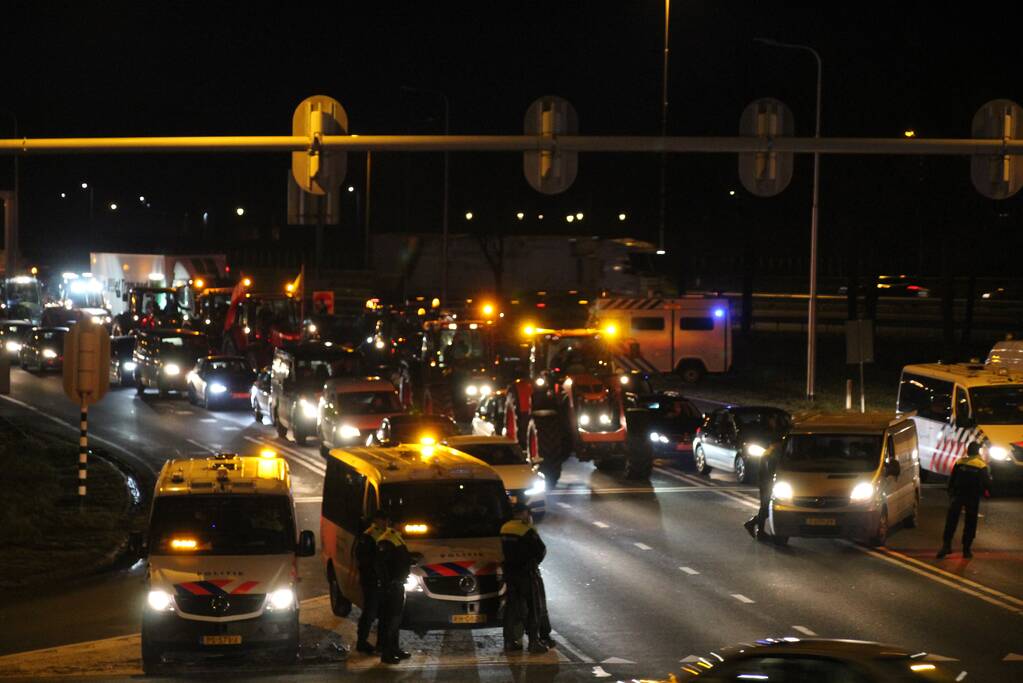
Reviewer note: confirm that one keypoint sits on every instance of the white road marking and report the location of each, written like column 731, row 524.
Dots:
column 183, row 412
column 690, row 659
column 961, row 676
column 600, row 524
column 931, row 657
column 742, row 598
column 617, row 660
column 309, row 499
column 227, row 428
column 564, row 505
column 572, row 649
column 639, row 489
column 642, row 546
column 804, row 630
column 689, row 570
column 600, row 673
column 207, row 419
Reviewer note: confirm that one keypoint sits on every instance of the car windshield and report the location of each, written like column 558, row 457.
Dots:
column 773, row 421
column 462, row 344
column 449, row 509
column 831, row 453
column 678, row 407
column 232, row 365
column 412, row 431
column 368, row 402
column 313, row 372
column 582, row 354
column 223, row 525
column 175, row 343
column 997, row 405
column 494, row 453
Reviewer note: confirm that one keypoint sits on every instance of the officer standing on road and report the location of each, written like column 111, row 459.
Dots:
column 765, row 477
column 365, row 558
column 970, row 480
column 523, row 553
column 393, row 563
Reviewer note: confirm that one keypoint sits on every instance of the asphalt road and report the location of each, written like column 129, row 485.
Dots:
column 638, row 577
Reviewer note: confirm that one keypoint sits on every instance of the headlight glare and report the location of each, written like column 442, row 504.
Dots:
column 49, row 353
column 539, row 486
column 862, row 491
column 782, row 490
column 128, row 366
column 471, row 390
column 485, row 390
column 97, row 320
column 411, row 583
column 308, row 408
column 755, row 449
column 217, row 388
column 605, row 419
column 349, row 432
column 13, row 346
column 655, row 437
column 159, row 601
column 584, row 419
column 171, row 369
column 998, row 453
column 282, row 598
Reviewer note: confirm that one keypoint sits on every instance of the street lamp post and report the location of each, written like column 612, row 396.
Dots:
column 444, row 219
column 11, row 213
column 811, row 316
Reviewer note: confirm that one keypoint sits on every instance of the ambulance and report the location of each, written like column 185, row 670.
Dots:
column 953, row 405
column 449, row 508
column 223, row 548
column 690, row 336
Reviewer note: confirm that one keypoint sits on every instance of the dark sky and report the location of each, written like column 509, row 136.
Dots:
column 83, row 68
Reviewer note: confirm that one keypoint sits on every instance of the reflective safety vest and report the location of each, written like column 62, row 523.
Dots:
column 375, row 532
column 515, row 527
column 391, row 536
column 972, row 461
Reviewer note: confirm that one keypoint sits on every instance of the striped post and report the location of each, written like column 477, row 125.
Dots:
column 83, row 451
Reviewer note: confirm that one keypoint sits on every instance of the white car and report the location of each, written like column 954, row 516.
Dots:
column 522, row 481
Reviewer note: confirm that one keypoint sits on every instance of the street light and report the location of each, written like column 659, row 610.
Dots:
column 113, row 206
column 240, row 211
column 520, row 215
column 468, row 215
column 621, row 216
column 811, row 317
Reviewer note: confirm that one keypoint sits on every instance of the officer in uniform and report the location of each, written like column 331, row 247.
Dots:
column 970, row 480
column 523, row 553
column 393, row 563
column 765, row 476
column 365, row 558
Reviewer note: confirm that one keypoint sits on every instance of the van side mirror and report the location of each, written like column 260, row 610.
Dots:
column 306, row 544
column 892, row 468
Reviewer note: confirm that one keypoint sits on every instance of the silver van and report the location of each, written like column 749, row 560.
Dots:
column 846, row 475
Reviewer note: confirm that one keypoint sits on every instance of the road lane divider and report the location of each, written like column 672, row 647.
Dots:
column 804, row 630
column 601, row 525
column 689, row 570
column 743, row 599
column 642, row 546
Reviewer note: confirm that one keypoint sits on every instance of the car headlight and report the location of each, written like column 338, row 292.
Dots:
column 97, row 320
column 998, row 453
column 539, row 486
column 655, row 437
column 540, row 381
column 379, row 343
column 624, row 379
column 662, row 438
column 13, row 346
column 471, row 390
column 312, row 328
column 782, row 490
column 412, row 583
column 485, row 389
column 862, row 491
column 49, row 353
column 159, row 601
column 172, row 369
column 280, row 599
column 128, row 366
column 217, row 388
column 584, row 419
column 605, row 419
column 308, row 408
column 755, row 449
column 349, row 432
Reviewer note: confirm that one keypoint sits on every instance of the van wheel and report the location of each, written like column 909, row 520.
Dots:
column 911, row 520
column 339, row 605
column 741, row 470
column 881, row 536
column 282, row 431
column 700, row 460
column 691, row 371
column 152, row 659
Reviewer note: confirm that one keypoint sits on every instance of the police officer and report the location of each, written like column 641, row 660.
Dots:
column 765, row 478
column 393, row 563
column 970, row 480
column 365, row 558
column 523, row 553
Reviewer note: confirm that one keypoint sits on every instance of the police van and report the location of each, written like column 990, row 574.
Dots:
column 957, row 404
column 690, row 336
column 449, row 508
column 222, row 548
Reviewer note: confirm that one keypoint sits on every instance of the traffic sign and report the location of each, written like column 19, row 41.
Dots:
column 765, row 174
column 550, row 171
column 318, row 171
column 86, row 362
column 997, row 176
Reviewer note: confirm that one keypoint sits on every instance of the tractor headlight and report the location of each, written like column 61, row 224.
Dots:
column 128, row 366
column 862, row 492
column 584, row 419
column 605, row 419
column 308, row 408
column 171, row 370
column 217, row 388
column 13, row 346
column 485, row 390
column 281, row 599
column 159, row 601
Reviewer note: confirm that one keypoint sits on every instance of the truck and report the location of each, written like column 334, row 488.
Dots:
column 118, row 273
column 21, row 298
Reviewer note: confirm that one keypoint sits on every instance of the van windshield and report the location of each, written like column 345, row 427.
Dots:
column 831, row 453
column 450, row 509
column 998, row 405
column 368, row 402
column 222, row 525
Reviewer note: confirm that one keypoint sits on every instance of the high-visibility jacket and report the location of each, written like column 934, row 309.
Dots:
column 522, row 546
column 970, row 478
column 393, row 560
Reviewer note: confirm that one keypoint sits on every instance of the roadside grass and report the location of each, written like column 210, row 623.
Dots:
column 44, row 535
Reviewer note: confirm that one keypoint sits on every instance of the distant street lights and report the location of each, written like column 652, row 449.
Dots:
column 811, row 318
column 240, row 211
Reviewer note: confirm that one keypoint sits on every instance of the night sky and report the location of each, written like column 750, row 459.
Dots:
column 83, row 69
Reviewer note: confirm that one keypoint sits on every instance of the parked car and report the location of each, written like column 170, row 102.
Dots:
column 522, row 480
column 164, row 357
column 351, row 408
column 219, row 381
column 399, row 429
column 122, row 360
column 733, row 438
column 43, row 349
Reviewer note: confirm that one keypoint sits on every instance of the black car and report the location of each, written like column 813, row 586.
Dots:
column 122, row 360
column 219, row 381
column 672, row 421
column 893, row 286
column 43, row 349
column 164, row 357
column 398, row 429
column 13, row 334
column 734, row 437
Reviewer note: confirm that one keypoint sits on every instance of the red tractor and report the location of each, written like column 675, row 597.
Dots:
column 575, row 402
column 255, row 324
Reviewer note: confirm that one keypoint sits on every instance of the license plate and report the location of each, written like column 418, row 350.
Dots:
column 468, row 618
column 239, row 394
column 221, row 640
column 821, row 521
